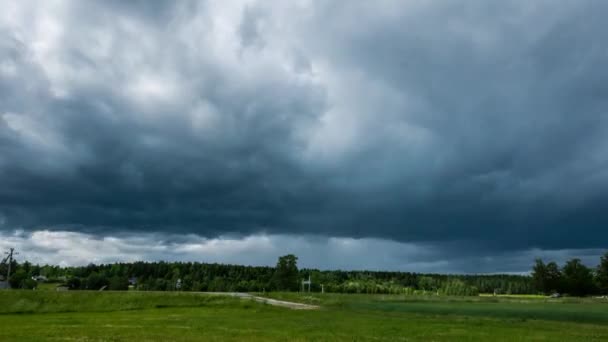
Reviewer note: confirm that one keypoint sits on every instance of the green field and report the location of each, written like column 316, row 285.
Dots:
column 157, row 316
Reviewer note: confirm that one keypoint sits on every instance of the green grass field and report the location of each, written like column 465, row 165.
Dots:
column 156, row 316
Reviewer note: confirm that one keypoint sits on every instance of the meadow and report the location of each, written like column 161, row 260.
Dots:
column 174, row 316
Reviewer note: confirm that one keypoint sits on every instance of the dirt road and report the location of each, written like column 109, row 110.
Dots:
column 270, row 301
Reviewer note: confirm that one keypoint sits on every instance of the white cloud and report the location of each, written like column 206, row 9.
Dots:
column 72, row 248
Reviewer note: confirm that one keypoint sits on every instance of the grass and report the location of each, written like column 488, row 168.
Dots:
column 154, row 316
column 36, row 302
column 46, row 286
column 522, row 296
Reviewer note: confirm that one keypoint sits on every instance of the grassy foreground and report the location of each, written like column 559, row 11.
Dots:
column 154, row 316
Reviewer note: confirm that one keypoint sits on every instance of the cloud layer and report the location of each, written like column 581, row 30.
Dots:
column 68, row 248
column 474, row 124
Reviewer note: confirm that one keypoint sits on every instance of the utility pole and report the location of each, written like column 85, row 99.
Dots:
column 306, row 282
column 10, row 261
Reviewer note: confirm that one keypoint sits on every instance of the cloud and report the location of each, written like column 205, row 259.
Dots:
column 69, row 248
column 470, row 124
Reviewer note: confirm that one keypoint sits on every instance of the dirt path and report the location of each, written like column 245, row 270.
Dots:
column 270, row 301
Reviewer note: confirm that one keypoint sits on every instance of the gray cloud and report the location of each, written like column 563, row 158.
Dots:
column 70, row 248
column 480, row 125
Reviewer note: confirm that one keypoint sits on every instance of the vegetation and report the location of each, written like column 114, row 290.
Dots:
column 370, row 306
column 573, row 278
column 164, row 276
column 174, row 316
column 601, row 274
column 286, row 273
column 582, row 310
column 22, row 302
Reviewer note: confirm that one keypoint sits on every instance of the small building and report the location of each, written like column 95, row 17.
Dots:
column 3, row 285
column 62, row 288
column 40, row 278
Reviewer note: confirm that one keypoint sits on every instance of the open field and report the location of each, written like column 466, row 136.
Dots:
column 149, row 316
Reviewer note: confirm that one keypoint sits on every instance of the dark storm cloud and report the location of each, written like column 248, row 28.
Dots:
column 77, row 248
column 477, row 124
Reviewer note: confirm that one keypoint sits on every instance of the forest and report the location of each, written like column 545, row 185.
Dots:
column 573, row 278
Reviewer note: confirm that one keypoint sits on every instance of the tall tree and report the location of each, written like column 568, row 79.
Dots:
column 602, row 274
column 286, row 273
column 539, row 276
column 553, row 278
column 578, row 278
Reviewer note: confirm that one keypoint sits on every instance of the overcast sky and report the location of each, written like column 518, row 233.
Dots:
column 440, row 136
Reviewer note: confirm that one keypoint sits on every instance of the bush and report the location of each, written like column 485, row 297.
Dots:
column 456, row 287
column 29, row 284
column 119, row 284
column 17, row 279
column 96, row 282
column 74, row 283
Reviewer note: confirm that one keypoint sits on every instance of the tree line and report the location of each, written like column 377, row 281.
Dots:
column 285, row 276
column 573, row 278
